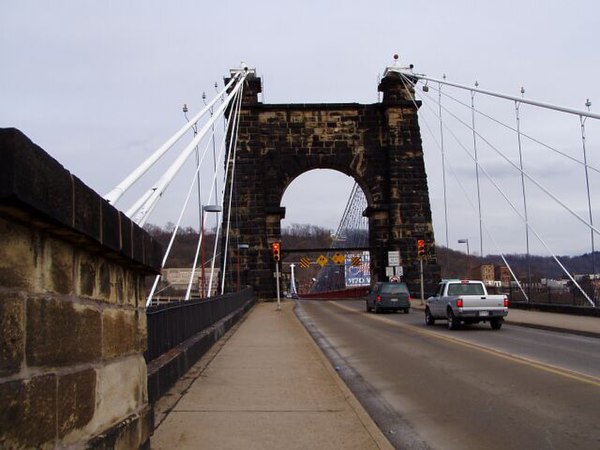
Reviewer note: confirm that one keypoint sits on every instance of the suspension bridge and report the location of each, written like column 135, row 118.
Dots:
column 459, row 131
column 88, row 348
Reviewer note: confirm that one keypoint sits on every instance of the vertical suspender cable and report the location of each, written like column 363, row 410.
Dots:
column 443, row 167
column 525, row 215
column 477, row 170
column 587, row 185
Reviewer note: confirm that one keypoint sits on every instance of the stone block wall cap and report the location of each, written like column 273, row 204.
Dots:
column 35, row 186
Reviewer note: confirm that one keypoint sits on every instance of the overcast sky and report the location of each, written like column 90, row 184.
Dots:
column 100, row 85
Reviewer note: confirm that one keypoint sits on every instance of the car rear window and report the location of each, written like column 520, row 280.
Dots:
column 394, row 288
column 466, row 289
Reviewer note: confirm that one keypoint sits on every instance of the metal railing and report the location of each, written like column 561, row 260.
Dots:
column 171, row 324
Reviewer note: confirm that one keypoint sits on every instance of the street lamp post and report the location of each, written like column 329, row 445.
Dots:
column 240, row 247
column 466, row 241
column 205, row 209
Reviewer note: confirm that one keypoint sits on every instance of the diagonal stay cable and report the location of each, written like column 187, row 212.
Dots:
column 531, row 138
column 529, row 177
column 513, row 207
column 514, row 276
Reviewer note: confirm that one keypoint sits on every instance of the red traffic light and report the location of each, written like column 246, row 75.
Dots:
column 420, row 247
column 276, row 250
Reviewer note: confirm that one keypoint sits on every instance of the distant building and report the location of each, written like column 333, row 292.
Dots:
column 176, row 280
column 491, row 274
column 485, row 273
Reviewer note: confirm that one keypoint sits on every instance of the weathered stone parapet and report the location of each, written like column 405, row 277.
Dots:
column 72, row 316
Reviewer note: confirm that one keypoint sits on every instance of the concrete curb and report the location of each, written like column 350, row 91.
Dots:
column 537, row 326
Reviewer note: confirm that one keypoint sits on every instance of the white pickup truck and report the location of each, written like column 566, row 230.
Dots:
column 465, row 301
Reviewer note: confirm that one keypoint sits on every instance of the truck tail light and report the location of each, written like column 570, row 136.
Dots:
column 506, row 302
column 378, row 299
column 459, row 302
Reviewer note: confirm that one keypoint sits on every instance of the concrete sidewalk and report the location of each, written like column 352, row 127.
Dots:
column 265, row 385
column 567, row 323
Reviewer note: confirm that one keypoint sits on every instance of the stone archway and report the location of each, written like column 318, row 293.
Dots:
column 379, row 145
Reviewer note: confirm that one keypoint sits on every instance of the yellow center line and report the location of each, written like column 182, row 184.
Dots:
column 589, row 379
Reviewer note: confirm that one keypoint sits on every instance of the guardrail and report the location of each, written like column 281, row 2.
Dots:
column 172, row 324
column 556, row 308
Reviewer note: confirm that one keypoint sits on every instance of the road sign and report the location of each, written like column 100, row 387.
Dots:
column 322, row 260
column 356, row 261
column 338, row 258
column 394, row 258
column 304, row 262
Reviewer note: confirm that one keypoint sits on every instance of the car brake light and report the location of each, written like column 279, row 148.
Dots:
column 409, row 298
column 378, row 298
column 506, row 302
column 459, row 302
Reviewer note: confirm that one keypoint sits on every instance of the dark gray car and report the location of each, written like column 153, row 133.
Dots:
column 389, row 297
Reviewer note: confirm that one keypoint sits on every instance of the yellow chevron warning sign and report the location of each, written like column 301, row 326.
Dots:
column 304, row 262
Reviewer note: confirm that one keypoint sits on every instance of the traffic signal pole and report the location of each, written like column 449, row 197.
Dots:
column 276, row 250
column 421, row 277
column 421, row 256
column 277, row 281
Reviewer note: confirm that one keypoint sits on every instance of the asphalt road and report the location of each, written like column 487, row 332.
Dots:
column 475, row 388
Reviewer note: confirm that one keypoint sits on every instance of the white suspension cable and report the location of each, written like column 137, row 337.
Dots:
column 166, row 179
column 443, row 167
column 491, row 179
column 529, row 177
column 476, row 170
column 232, row 153
column 211, row 194
column 532, row 139
column 564, row 109
column 172, row 240
column 514, row 276
column 114, row 195
column 587, row 186
column 525, row 213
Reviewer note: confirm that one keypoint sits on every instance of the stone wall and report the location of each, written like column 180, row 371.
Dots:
column 72, row 318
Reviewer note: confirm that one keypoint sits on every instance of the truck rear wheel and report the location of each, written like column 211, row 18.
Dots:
column 453, row 322
column 496, row 324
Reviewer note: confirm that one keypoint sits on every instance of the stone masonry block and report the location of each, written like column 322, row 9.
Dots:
column 119, row 333
column 18, row 256
column 57, row 268
column 60, row 333
column 76, row 400
column 104, row 281
column 126, row 242
column 28, row 413
column 111, row 226
column 120, row 391
column 137, row 247
column 12, row 335
column 87, row 274
column 88, row 217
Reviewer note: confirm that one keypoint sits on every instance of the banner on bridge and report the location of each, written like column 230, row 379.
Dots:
column 357, row 275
